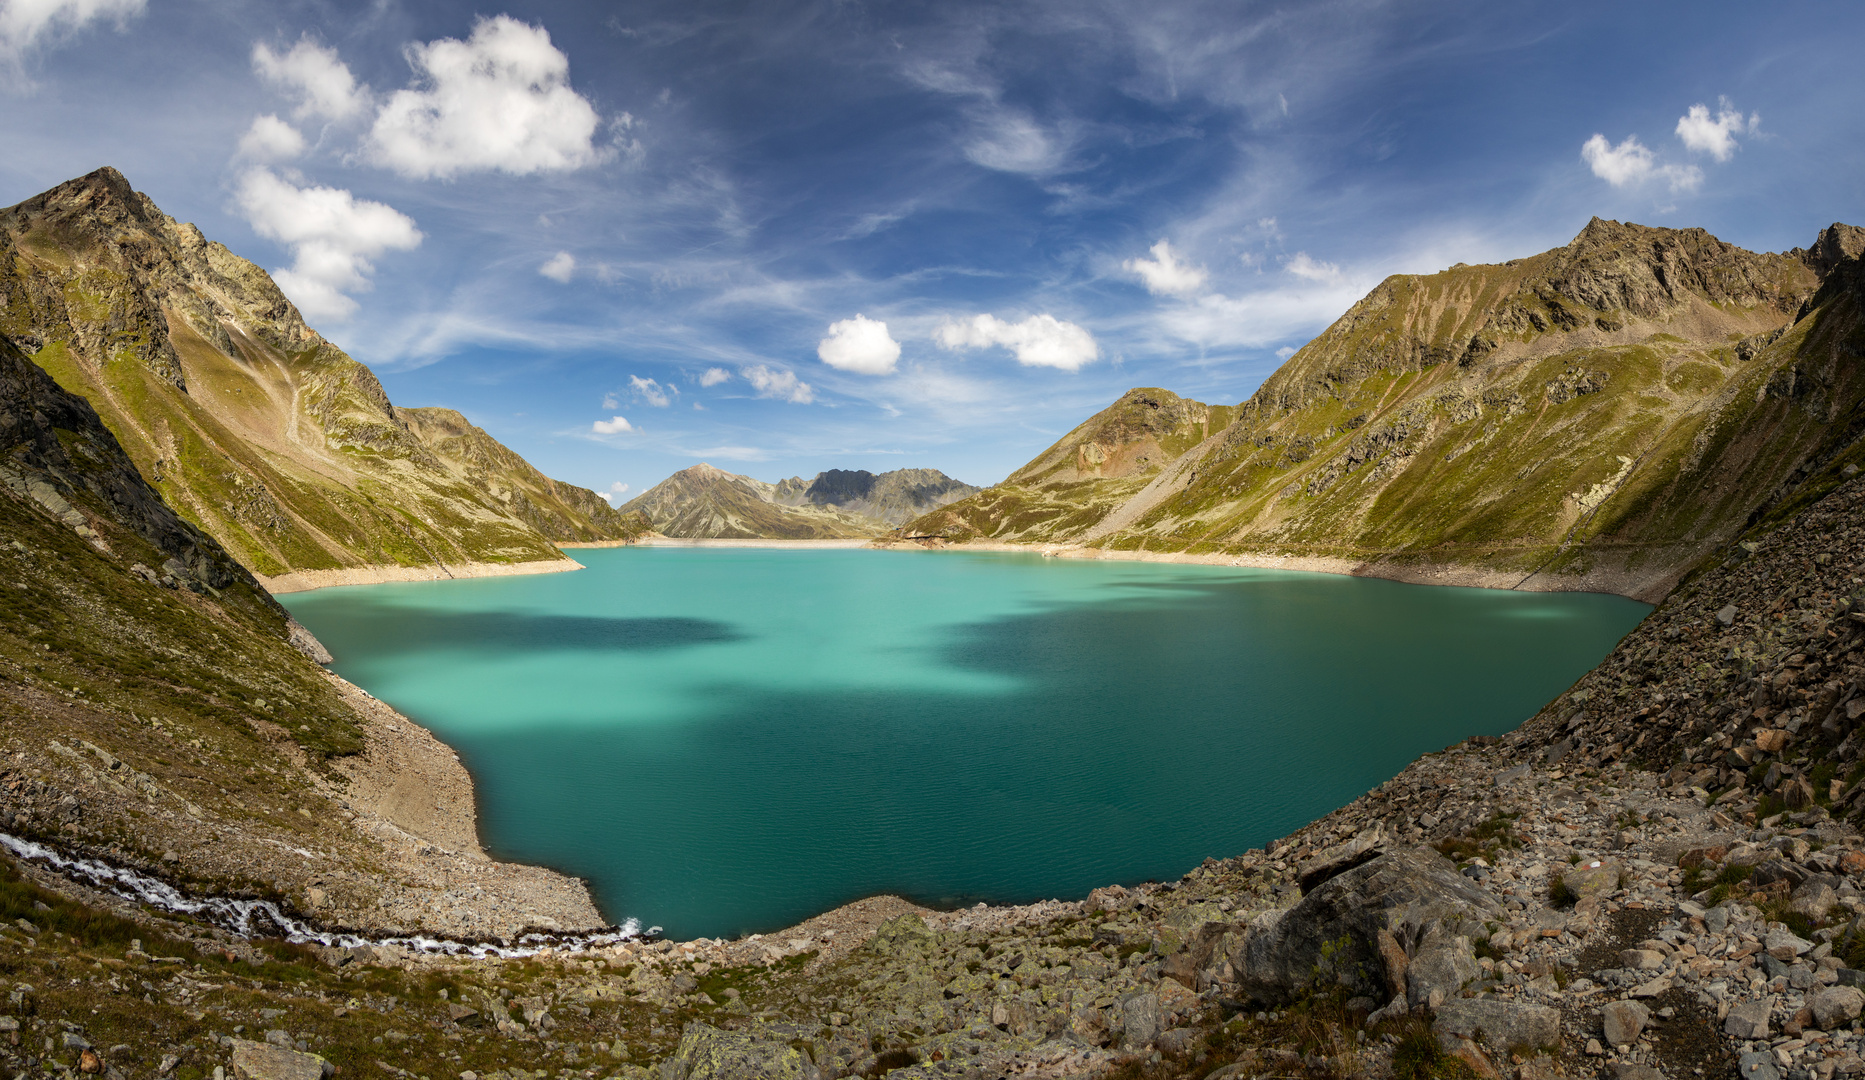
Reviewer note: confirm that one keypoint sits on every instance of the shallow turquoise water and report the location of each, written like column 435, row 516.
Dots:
column 731, row 740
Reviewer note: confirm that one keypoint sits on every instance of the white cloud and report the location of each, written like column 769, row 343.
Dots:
column 313, row 74
column 861, row 345
column 1630, row 164
column 1308, row 269
column 1164, row 274
column 332, row 234
column 26, row 23
column 559, row 267
column 611, row 427
column 615, row 492
column 499, row 100
column 1011, row 142
column 1715, row 136
column 653, row 392
column 1285, row 352
column 270, row 139
column 1038, row 341
column 777, row 383
column 713, row 377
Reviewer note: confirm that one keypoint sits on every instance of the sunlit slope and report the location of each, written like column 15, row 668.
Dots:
column 1595, row 416
column 250, row 423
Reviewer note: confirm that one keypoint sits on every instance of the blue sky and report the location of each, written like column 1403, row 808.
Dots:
column 790, row 236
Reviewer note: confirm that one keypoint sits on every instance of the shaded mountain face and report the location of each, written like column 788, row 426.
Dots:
column 890, row 498
column 1597, row 416
column 251, row 424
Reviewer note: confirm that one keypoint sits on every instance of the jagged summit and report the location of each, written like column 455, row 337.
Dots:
column 701, row 501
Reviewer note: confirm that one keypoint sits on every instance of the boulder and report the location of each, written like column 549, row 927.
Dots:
column 1749, row 1020
column 1139, row 1019
column 1332, row 936
column 1442, row 965
column 903, row 933
column 1641, row 959
column 1623, row 1021
column 1502, row 1025
column 1359, row 849
column 264, row 1061
column 1835, row 1005
column 1591, row 877
column 1757, row 1065
column 1781, row 940
column 1816, row 896
column 707, row 1053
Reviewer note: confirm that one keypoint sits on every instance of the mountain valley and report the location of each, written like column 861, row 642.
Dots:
column 1659, row 874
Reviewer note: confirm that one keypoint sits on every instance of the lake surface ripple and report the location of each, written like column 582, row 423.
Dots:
column 732, row 740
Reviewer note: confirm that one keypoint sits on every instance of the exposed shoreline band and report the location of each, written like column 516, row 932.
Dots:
column 305, row 580
column 1644, row 590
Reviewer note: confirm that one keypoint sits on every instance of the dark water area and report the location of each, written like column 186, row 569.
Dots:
column 731, row 740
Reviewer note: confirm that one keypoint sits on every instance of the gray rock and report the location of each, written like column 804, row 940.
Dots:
column 1441, row 967
column 707, row 1053
column 1623, row 1021
column 1749, row 1020
column 1757, row 1066
column 1851, row 977
column 1780, row 937
column 1502, row 1025
column 1331, row 862
column 1331, row 936
column 263, row 1061
column 1835, row 1005
column 1139, row 1019
column 1727, row 615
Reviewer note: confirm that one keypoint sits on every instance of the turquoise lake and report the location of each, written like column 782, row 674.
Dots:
column 726, row 741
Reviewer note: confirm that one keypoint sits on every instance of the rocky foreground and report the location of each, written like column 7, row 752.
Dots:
column 1647, row 879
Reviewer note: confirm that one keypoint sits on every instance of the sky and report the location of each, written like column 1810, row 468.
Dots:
column 785, row 236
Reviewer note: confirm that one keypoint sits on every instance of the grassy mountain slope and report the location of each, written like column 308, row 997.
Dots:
column 159, row 709
column 251, row 424
column 892, row 498
column 702, row 502
column 1596, row 416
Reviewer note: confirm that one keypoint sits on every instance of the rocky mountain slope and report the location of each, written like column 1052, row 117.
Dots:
column 1598, row 416
column 251, row 424
column 891, row 498
column 704, row 502
column 159, row 710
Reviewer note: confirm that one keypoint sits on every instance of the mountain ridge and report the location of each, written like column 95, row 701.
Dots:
column 1599, row 416
column 705, row 502
column 254, row 426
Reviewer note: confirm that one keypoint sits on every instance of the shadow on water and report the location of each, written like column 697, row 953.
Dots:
column 508, row 632
column 1143, row 735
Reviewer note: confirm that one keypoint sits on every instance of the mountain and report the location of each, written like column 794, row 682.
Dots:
column 704, row 502
column 252, row 425
column 891, row 498
column 1599, row 416
column 162, row 712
